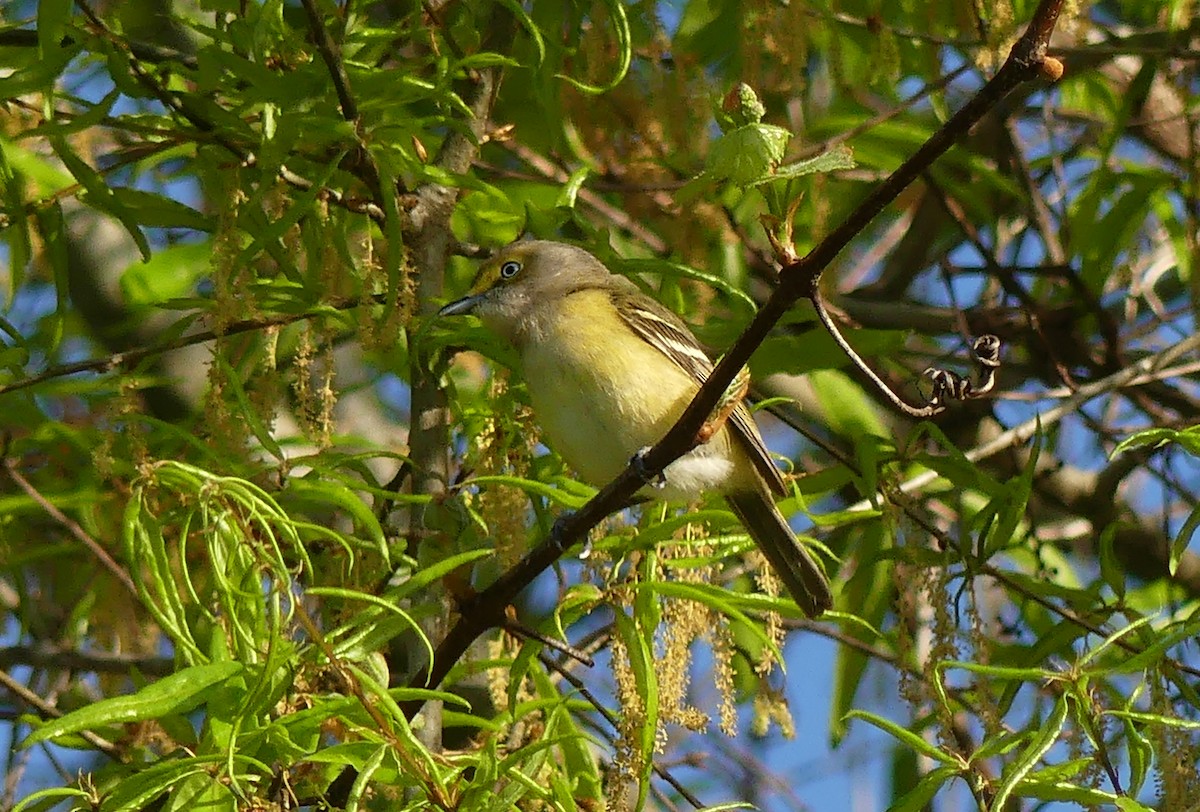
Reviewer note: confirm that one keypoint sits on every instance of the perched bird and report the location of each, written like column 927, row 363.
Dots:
column 609, row 371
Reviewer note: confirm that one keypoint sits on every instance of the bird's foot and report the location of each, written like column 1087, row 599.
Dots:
column 654, row 479
column 558, row 532
column 558, row 537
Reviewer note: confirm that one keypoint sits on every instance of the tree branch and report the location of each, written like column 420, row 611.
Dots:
column 796, row 281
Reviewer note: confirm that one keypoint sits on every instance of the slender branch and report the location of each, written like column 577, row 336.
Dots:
column 51, row 657
column 333, row 61
column 28, row 38
column 71, row 526
column 1140, row 372
column 582, row 690
column 523, row 632
column 49, row 711
column 124, row 360
column 341, row 85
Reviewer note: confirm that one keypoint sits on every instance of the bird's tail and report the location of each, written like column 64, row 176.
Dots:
column 792, row 563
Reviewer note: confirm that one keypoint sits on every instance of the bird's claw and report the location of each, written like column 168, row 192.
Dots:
column 558, row 532
column 558, row 536
column 655, row 479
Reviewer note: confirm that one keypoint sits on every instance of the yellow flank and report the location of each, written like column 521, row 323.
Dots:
column 601, row 393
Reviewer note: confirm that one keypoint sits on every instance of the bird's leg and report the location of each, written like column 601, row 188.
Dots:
column 730, row 400
column 638, row 461
column 558, row 532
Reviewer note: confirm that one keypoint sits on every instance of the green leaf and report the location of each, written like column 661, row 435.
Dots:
column 12, row 196
column 847, row 409
column 639, row 647
column 747, row 154
column 1179, row 545
column 52, row 17
column 1112, row 571
column 170, row 273
column 616, row 10
column 1085, row 797
column 1189, row 438
column 328, row 493
column 54, row 794
column 100, row 195
column 159, row 211
column 716, row 599
column 178, row 693
column 138, row 790
column 912, row 740
column 386, row 605
column 870, row 591
column 919, row 797
column 52, row 226
column 838, row 158
column 1047, row 734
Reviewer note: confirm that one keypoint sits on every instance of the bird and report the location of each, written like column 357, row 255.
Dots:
column 609, row 370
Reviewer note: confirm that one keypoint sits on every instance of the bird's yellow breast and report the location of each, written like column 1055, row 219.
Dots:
column 601, row 393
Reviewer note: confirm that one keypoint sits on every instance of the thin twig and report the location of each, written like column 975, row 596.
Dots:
column 341, row 85
column 1140, row 372
column 10, row 465
column 523, row 632
column 51, row 657
column 123, row 360
column 49, row 711
column 582, row 690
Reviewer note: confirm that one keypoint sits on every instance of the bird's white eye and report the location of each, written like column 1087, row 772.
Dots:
column 509, row 269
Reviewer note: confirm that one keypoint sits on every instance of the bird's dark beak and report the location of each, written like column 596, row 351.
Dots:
column 461, row 306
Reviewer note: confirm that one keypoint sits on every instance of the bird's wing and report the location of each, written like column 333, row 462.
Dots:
column 666, row 332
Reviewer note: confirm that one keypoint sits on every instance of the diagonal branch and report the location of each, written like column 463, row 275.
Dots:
column 70, row 525
column 1026, row 62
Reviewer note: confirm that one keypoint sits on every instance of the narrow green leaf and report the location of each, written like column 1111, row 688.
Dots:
column 1180, row 544
column 641, row 664
column 16, row 234
column 99, row 195
column 1085, row 797
column 716, row 599
column 616, row 9
column 1046, row 736
column 159, row 211
column 329, row 493
column 171, row 273
column 387, row 606
column 178, row 693
column 53, row 793
column 530, row 26
column 363, row 779
column 919, row 797
column 1112, row 639
column 1111, row 570
column 246, row 409
column 571, row 188
column 906, row 737
column 53, row 228
column 869, row 591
